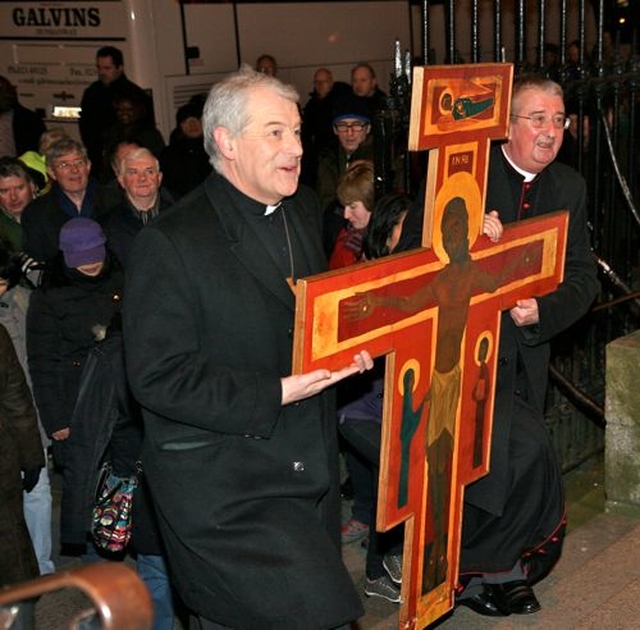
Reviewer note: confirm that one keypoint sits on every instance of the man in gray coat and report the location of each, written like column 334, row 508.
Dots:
column 240, row 455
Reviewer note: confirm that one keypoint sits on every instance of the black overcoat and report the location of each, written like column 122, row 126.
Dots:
column 246, row 490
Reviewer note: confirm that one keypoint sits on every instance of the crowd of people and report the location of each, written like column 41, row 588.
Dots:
column 177, row 261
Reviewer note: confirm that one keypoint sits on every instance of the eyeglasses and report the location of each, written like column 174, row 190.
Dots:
column 67, row 166
column 344, row 127
column 538, row 121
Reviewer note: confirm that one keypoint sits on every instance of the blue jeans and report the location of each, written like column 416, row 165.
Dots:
column 153, row 571
column 37, row 514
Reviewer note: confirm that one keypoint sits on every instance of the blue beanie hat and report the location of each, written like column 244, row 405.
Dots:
column 351, row 106
column 82, row 242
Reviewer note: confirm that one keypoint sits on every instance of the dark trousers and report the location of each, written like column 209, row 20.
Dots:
column 364, row 437
column 361, row 475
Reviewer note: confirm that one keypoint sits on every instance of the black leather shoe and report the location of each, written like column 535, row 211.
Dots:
column 517, row 597
column 482, row 603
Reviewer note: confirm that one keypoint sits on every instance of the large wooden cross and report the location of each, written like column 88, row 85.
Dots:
column 434, row 313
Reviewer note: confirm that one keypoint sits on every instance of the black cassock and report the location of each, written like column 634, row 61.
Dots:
column 517, row 512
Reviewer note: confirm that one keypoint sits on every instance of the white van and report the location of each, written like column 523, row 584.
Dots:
column 176, row 49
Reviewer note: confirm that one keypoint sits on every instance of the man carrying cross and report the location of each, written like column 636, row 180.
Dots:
column 240, row 455
column 514, row 519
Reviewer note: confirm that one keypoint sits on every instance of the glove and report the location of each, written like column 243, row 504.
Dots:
column 30, row 478
column 28, row 264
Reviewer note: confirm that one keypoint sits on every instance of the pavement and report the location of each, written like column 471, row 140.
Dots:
column 595, row 585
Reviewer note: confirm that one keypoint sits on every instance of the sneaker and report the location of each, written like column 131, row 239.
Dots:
column 392, row 564
column 353, row 530
column 382, row 587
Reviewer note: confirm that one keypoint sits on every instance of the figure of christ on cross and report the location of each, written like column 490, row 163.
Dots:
column 451, row 290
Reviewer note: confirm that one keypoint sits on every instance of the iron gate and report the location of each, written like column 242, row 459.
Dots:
column 591, row 49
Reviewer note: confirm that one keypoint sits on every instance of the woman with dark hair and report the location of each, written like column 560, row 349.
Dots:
column 385, row 225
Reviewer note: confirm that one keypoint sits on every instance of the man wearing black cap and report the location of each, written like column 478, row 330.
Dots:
column 184, row 162
column 352, row 126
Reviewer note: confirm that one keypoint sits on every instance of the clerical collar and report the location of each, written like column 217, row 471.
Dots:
column 528, row 177
column 247, row 205
column 272, row 209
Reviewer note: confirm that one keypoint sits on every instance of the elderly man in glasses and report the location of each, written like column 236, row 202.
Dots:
column 73, row 194
column 514, row 518
column 354, row 143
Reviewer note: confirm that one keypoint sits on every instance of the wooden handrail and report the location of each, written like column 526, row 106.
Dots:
column 119, row 596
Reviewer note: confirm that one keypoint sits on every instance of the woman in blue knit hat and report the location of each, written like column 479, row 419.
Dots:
column 77, row 299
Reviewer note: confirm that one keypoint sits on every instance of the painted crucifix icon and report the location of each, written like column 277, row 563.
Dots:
column 434, row 314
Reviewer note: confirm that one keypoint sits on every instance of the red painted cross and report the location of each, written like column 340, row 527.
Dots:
column 434, row 314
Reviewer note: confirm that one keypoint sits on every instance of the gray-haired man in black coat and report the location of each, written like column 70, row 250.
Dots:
column 240, row 455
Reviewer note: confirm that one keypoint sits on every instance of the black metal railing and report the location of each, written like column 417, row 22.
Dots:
column 601, row 80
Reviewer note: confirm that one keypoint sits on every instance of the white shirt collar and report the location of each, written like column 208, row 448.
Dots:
column 271, row 209
column 528, row 177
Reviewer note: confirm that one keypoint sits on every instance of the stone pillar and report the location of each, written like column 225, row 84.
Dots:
column 622, row 436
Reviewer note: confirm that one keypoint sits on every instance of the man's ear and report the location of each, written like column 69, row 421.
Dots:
column 225, row 142
column 51, row 174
